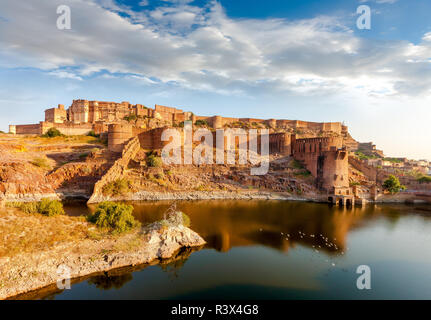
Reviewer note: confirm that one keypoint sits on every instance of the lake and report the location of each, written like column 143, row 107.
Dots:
column 278, row 250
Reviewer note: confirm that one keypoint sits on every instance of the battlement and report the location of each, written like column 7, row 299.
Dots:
column 327, row 160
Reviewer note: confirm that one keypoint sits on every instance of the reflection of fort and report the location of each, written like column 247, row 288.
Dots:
column 278, row 225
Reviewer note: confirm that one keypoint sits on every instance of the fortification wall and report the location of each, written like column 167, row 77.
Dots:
column 118, row 168
column 152, row 139
column 326, row 159
column 369, row 171
column 166, row 109
column 280, row 143
column 251, row 120
column 69, row 129
column 118, row 135
column 167, row 113
column 28, row 129
column 316, row 145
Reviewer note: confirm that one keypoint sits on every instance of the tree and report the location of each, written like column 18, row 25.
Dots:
column 393, row 185
column 115, row 216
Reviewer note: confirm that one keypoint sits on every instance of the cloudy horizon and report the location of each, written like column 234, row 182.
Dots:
column 287, row 61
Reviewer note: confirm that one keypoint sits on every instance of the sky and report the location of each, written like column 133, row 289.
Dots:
column 285, row 59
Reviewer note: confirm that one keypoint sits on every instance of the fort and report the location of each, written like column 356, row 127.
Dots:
column 321, row 147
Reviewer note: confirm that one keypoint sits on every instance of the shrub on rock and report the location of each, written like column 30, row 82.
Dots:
column 117, row 187
column 154, row 161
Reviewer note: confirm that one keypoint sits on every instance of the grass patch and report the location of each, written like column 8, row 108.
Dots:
column 156, row 180
column 24, row 233
column 117, row 187
column 201, row 123
column 41, row 163
column 303, row 173
column 296, row 164
column 131, row 117
column 363, row 156
column 45, row 206
column 93, row 134
column 83, row 156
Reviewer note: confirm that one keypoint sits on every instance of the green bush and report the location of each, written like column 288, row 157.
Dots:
column 93, row 134
column 29, row 207
column 154, row 161
column 50, row 207
column 424, row 179
column 393, row 160
column 303, row 173
column 186, row 220
column 201, row 123
column 393, row 185
column 296, row 164
column 131, row 117
column 117, row 217
column 117, row 187
column 361, row 155
column 52, row 132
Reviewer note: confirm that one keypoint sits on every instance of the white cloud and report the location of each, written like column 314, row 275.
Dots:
column 203, row 49
column 427, row 36
column 65, row 75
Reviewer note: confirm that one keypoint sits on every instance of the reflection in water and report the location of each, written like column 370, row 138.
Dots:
column 276, row 249
column 173, row 265
column 276, row 224
column 107, row 281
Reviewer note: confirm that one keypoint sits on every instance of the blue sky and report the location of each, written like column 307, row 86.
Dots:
column 291, row 59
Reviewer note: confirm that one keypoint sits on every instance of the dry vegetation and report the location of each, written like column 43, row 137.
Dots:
column 22, row 232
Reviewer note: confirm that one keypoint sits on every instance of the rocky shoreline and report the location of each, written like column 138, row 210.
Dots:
column 203, row 195
column 198, row 195
column 26, row 272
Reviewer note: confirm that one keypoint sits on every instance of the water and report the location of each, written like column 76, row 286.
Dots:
column 249, row 254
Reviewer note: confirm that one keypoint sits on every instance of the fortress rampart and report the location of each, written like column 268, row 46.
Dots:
column 84, row 115
column 325, row 157
column 327, row 160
